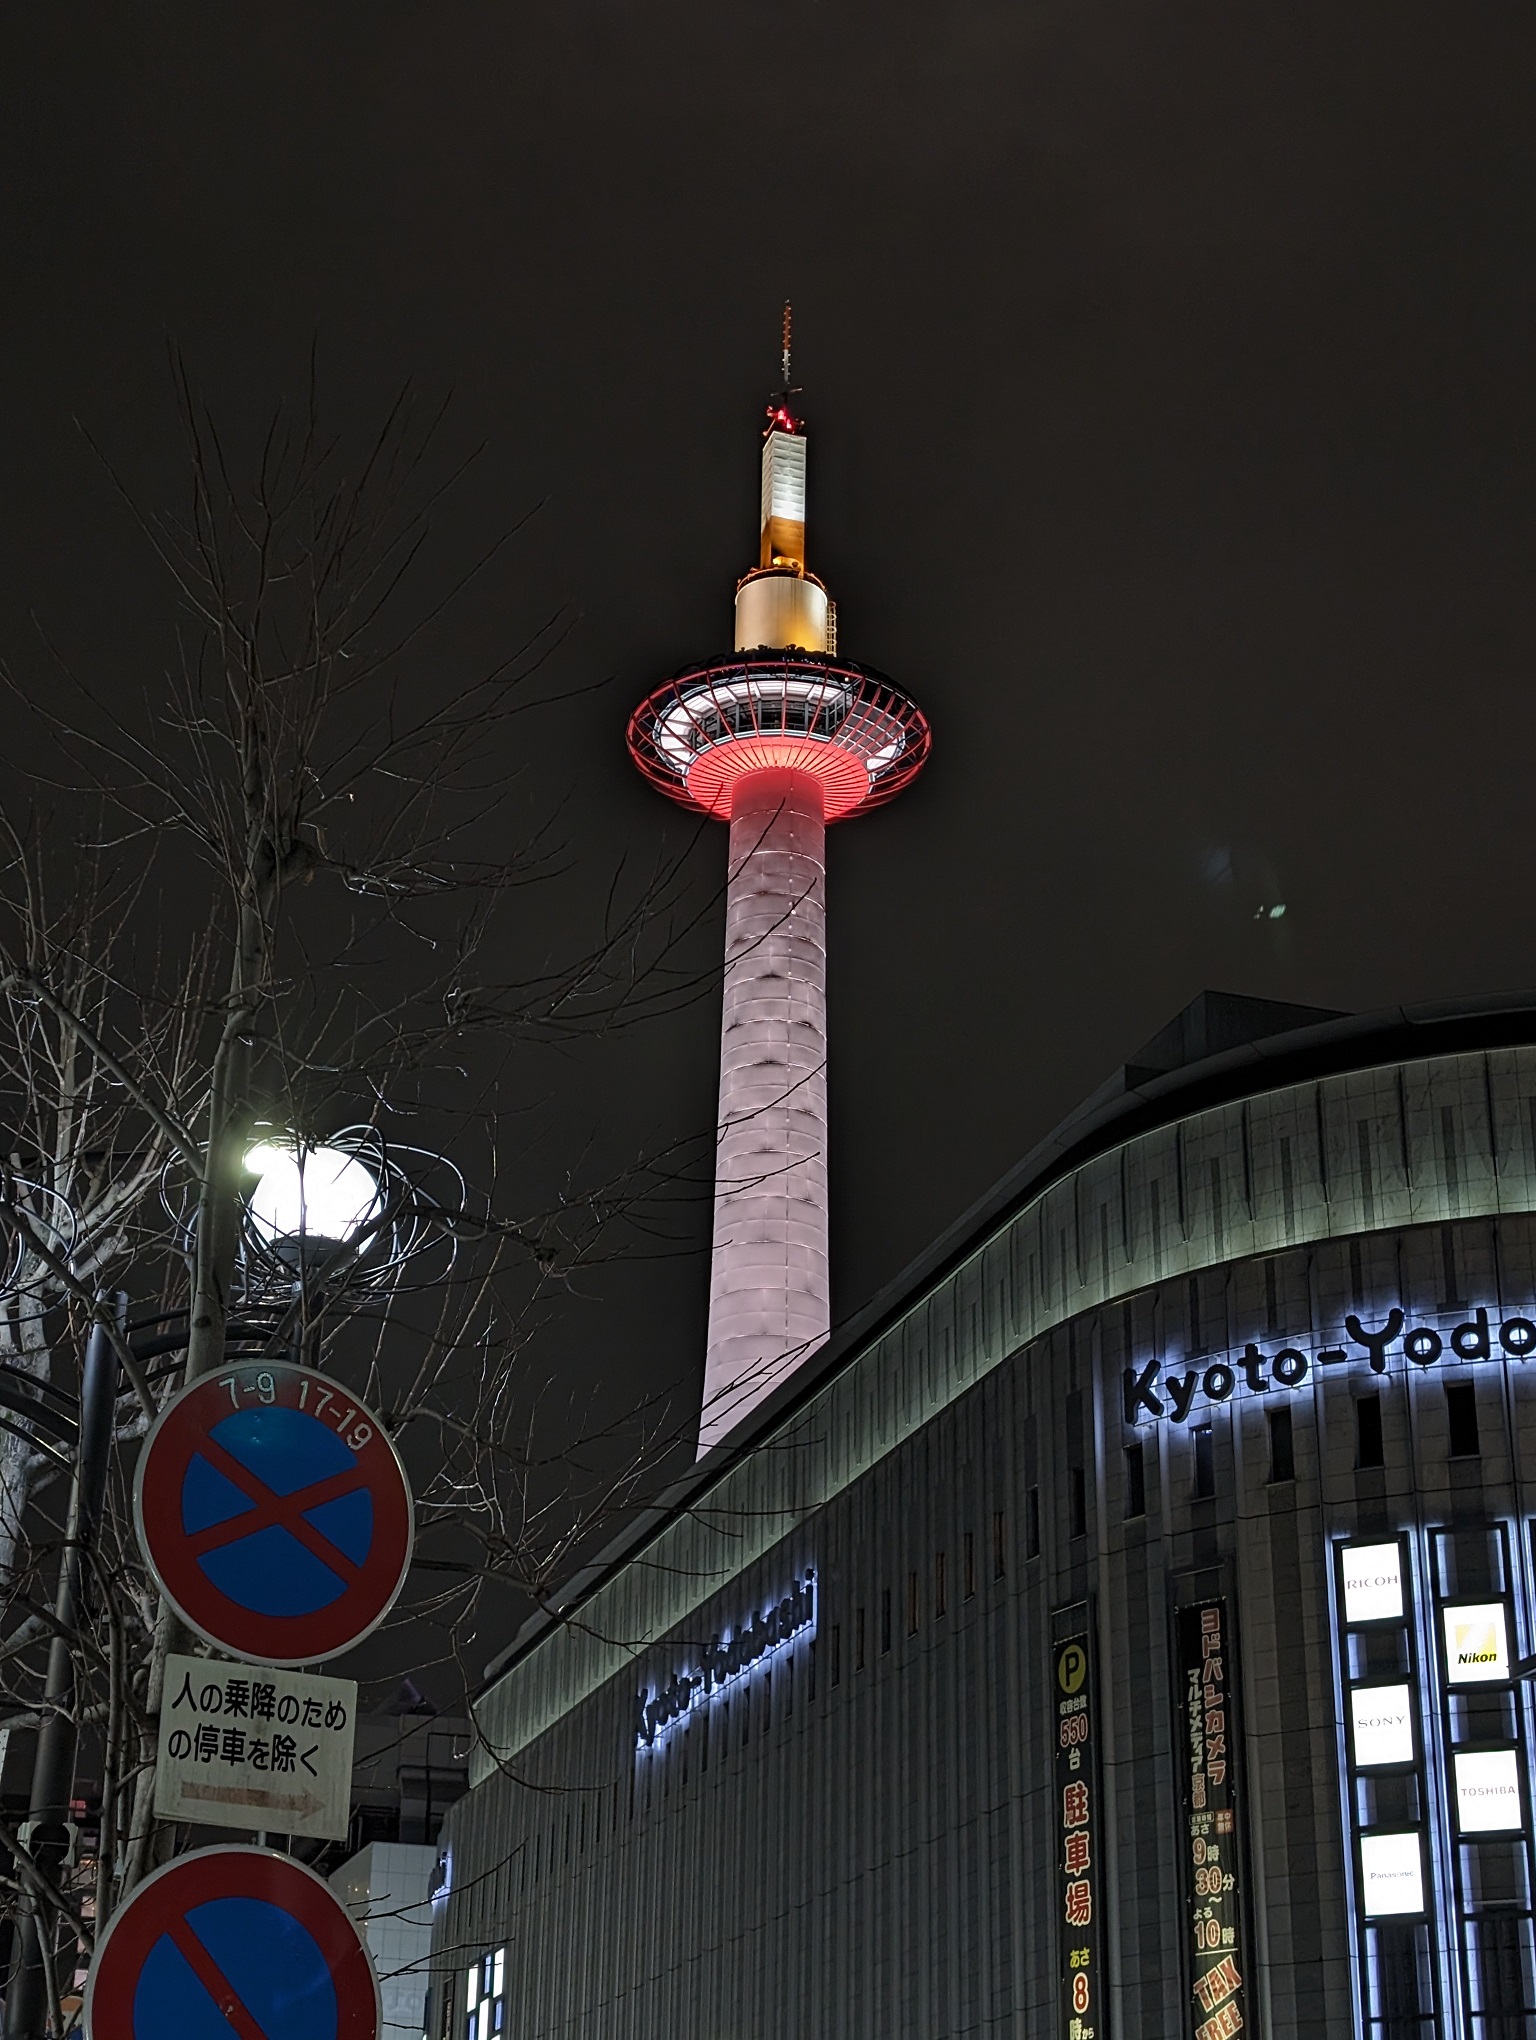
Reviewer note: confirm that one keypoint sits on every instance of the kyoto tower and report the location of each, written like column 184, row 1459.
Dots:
column 778, row 739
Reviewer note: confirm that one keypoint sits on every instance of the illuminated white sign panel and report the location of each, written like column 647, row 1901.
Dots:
column 724, row 1660
column 1476, row 1645
column 1391, row 1875
column 1488, row 1792
column 1373, row 1582
column 1383, row 1724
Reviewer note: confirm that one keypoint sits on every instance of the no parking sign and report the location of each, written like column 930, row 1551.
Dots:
column 232, row 1944
column 274, row 1512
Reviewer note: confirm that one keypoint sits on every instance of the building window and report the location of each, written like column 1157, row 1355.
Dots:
column 1077, row 1500
column 1000, row 1533
column 1135, row 1480
column 485, row 2004
column 969, row 1554
column 1399, row 1979
column 885, row 1620
column 1461, row 1414
column 1282, row 1446
column 911, row 1604
column 1031, row 1529
column 1370, row 1448
column 1205, row 1462
column 858, row 1640
column 940, row 1596
column 837, row 1654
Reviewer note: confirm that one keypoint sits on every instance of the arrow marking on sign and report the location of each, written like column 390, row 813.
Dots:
column 214, row 1981
column 284, row 1511
column 303, row 1803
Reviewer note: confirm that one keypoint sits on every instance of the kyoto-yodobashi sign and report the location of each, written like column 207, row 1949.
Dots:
column 724, row 1659
column 256, row 1748
column 1158, row 1388
column 239, row 1942
column 274, row 1513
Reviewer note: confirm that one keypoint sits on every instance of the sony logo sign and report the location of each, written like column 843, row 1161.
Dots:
column 1155, row 1391
column 723, row 1659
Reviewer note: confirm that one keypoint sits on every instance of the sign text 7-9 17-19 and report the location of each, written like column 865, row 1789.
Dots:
column 274, row 1512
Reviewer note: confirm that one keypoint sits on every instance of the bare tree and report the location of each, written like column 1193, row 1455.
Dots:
column 287, row 915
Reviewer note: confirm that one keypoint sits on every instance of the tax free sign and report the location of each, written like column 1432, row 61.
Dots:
column 1186, row 1393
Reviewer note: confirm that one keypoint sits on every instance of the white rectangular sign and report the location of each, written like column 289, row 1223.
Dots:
column 1391, row 1875
column 1488, row 1792
column 1476, row 1644
column 1383, row 1723
column 1373, row 1583
column 251, row 1747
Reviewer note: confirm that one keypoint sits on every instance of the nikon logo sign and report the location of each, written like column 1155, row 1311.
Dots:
column 1162, row 1389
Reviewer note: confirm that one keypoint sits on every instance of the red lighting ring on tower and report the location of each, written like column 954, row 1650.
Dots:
column 843, row 724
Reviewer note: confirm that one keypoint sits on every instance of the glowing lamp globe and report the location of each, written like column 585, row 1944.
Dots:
column 322, row 1195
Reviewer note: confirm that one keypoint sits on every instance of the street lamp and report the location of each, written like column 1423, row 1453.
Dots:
column 335, row 1223
column 310, row 1203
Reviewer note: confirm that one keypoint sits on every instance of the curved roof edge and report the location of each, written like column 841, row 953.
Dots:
column 1135, row 1100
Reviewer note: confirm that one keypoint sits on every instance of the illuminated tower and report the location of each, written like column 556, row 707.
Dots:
column 778, row 739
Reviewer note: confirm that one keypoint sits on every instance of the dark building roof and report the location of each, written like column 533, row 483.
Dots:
column 1221, row 1046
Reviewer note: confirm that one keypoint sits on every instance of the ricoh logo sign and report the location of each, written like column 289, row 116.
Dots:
column 1163, row 1389
column 724, row 1660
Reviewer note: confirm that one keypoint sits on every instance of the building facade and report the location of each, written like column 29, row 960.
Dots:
column 1114, row 1634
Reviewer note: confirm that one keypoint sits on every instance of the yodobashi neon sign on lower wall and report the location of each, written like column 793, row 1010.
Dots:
column 1166, row 1389
column 724, row 1660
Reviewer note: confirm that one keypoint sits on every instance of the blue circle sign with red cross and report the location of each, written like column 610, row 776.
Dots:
column 274, row 1512
column 232, row 1944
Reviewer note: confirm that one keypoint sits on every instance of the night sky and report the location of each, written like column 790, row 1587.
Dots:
column 1169, row 372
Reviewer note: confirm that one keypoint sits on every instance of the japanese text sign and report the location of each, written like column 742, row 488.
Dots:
column 241, row 1747
column 1082, row 2014
column 1212, row 1840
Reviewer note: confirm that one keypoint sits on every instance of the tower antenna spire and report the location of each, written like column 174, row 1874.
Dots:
column 784, row 358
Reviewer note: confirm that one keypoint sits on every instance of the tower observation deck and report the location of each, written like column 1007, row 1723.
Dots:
column 778, row 739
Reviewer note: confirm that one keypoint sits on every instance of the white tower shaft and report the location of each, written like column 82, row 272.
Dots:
column 770, row 1296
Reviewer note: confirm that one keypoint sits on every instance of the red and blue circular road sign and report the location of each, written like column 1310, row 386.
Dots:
column 232, row 1944
column 274, row 1512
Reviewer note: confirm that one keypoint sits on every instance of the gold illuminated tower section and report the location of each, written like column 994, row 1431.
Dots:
column 778, row 739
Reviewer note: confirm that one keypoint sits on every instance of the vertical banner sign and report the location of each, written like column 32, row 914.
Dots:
column 1077, row 1815
column 1212, row 1857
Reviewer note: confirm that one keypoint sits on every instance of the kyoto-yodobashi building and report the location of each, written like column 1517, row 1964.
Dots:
column 1117, row 1631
